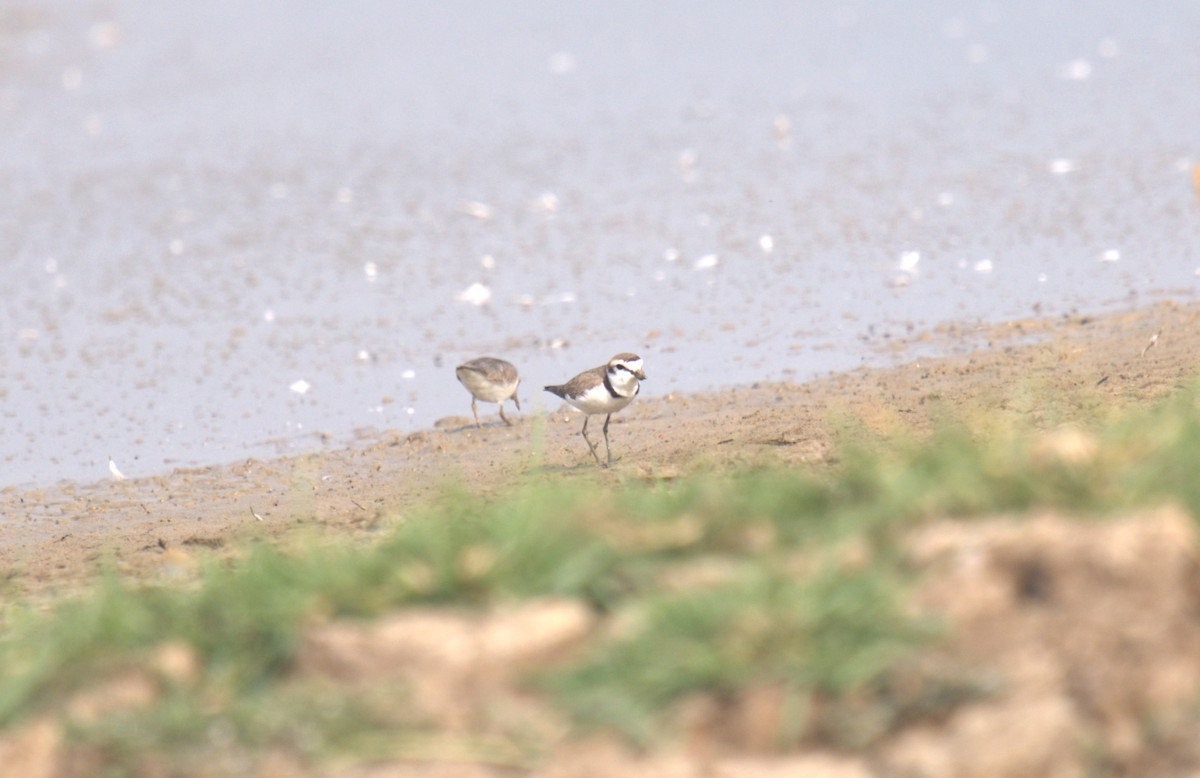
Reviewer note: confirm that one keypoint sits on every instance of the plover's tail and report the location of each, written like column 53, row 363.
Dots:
column 561, row 391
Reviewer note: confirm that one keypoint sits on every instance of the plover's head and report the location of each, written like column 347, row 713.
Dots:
column 627, row 363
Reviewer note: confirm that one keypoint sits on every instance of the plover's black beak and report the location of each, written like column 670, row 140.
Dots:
column 641, row 374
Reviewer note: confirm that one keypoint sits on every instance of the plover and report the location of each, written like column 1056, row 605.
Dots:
column 491, row 380
column 605, row 389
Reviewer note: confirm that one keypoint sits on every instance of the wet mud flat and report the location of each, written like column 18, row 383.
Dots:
column 59, row 538
column 229, row 229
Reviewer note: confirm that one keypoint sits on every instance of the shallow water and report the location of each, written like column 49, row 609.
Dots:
column 209, row 207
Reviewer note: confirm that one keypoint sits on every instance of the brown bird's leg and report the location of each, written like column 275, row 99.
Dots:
column 475, row 411
column 502, row 416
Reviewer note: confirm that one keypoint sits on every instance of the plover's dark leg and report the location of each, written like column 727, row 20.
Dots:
column 475, row 411
column 591, row 445
column 607, row 419
column 502, row 416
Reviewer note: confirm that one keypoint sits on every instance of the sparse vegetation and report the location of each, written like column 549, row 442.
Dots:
column 787, row 578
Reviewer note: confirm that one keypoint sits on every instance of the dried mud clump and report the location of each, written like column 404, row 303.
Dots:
column 1092, row 630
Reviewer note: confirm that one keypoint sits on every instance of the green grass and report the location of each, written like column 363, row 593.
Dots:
column 793, row 609
column 836, row 632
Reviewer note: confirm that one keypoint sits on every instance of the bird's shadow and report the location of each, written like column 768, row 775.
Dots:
column 578, row 467
column 487, row 425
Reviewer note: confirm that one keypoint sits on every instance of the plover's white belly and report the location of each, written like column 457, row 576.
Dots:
column 598, row 400
column 484, row 389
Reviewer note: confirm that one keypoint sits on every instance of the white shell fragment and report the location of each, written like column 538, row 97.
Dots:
column 1076, row 70
column 475, row 294
column 475, row 208
column 547, row 202
column 1062, row 166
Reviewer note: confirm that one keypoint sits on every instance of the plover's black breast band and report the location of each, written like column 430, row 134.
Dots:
column 608, row 385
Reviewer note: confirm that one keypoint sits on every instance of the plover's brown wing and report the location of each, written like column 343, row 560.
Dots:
column 580, row 384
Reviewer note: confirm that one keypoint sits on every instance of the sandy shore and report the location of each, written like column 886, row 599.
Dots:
column 56, row 538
